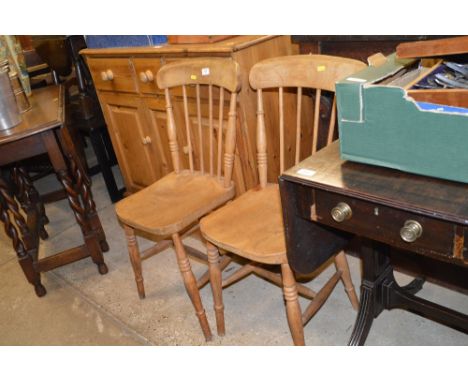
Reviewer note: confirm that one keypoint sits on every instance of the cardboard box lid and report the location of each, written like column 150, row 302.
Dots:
column 433, row 48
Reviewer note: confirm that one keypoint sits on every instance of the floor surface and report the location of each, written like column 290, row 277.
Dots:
column 83, row 307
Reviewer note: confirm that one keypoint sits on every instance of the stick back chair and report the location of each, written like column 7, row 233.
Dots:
column 173, row 205
column 251, row 226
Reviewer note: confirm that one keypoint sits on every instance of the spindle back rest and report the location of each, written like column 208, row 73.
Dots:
column 219, row 73
column 319, row 72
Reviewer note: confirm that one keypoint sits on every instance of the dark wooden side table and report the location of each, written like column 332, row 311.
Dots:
column 42, row 131
column 396, row 219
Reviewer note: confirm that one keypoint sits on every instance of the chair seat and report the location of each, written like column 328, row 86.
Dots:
column 173, row 203
column 250, row 226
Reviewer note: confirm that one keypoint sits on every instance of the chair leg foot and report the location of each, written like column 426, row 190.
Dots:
column 40, row 290
column 341, row 264
column 293, row 309
column 135, row 259
column 43, row 233
column 190, row 283
column 216, row 287
column 104, row 245
column 102, row 268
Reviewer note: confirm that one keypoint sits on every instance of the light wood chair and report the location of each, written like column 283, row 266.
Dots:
column 251, row 226
column 174, row 204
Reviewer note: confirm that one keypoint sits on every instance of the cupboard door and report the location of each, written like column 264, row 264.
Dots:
column 157, row 126
column 132, row 141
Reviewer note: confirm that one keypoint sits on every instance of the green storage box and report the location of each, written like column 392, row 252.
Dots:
column 380, row 124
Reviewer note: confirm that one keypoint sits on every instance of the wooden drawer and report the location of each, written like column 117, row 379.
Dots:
column 384, row 224
column 146, row 70
column 114, row 74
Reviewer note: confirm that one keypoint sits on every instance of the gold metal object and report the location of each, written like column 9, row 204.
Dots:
column 411, row 231
column 341, row 212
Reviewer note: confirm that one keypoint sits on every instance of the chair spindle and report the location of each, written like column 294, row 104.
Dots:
column 298, row 125
column 220, row 130
column 261, row 141
column 331, row 126
column 172, row 133
column 210, row 116
column 187, row 127
column 230, row 141
column 318, row 93
column 281, row 128
column 200, row 131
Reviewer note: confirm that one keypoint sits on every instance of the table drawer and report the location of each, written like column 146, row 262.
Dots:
column 146, row 70
column 114, row 74
column 398, row 228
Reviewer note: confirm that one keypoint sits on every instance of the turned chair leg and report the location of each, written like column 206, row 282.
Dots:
column 135, row 259
column 190, row 283
column 341, row 264
column 216, row 287
column 293, row 309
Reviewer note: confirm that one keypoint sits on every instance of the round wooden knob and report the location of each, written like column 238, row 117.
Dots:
column 149, row 75
column 143, row 77
column 341, row 212
column 146, row 76
column 110, row 74
column 107, row 75
column 411, row 231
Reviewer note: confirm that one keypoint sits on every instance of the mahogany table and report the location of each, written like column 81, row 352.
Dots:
column 41, row 131
column 394, row 219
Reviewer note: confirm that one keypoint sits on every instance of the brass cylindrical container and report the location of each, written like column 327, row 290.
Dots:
column 9, row 113
column 21, row 98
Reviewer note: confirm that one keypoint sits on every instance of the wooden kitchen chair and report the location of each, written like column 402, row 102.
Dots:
column 252, row 226
column 176, row 202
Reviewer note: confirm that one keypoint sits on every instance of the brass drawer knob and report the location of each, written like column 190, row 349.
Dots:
column 410, row 231
column 341, row 212
column 107, row 75
column 146, row 76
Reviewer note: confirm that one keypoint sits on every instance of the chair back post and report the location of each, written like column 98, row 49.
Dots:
column 220, row 132
column 319, row 72
column 187, row 128
column 172, row 132
column 230, row 140
column 262, row 160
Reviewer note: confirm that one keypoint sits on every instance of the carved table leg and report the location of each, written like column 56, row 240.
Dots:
column 91, row 240
column 376, row 267
column 83, row 186
column 30, row 198
column 398, row 297
column 379, row 290
column 66, row 175
column 24, row 246
column 414, row 286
